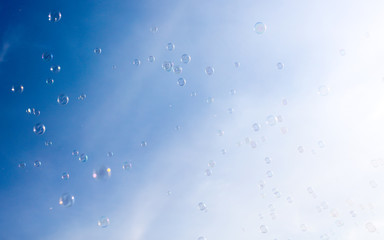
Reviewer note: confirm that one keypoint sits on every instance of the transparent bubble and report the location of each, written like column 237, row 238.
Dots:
column 300, row 149
column 170, row 46
column 82, row 97
column 109, row 154
column 103, row 222
column 253, row 144
column 185, row 58
column 263, row 229
column 260, row 28
column 49, row 81
column 261, row 184
column 127, row 166
column 136, row 62
column 276, row 193
column 321, row 144
column 39, row 129
column 47, row 56
column 267, row 160
column 22, row 165
column 177, row 69
column 66, row 200
column 29, row 111
column 230, row 110
column 269, row 174
column 167, row 66
column 154, row 29
column 193, row 94
column 65, row 176
column 62, row 99
column 323, row 90
column 342, row 52
column 256, row 127
column 289, row 200
column 83, row 157
column 75, row 153
column 223, row 151
column 48, row 143
column 211, row 164
column 177, row 128
column 55, row 68
column 232, row 92
column 271, row 120
column 209, row 70
column 284, row 102
column 279, row 118
column 143, row 144
column 114, row 67
column 54, row 16
column 17, row 88
column 97, row 50
column 370, row 227
column 210, row 100
column 220, row 133
column 151, row 59
column 102, row 173
column 280, row 66
column 208, row 172
column 237, row 64
column 202, row 207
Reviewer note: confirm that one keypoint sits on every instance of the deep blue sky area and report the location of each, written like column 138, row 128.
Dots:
column 282, row 142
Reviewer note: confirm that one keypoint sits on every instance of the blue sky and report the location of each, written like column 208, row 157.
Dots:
column 322, row 192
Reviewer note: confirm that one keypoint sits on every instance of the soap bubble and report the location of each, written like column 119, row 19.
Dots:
column 260, row 28
column 211, row 164
column 22, row 165
column 63, row 99
column 127, row 166
column 170, row 46
column 208, row 172
column 39, row 129
column 267, row 160
column 48, row 143
column 269, row 174
column 185, row 58
column 210, row 100
column 209, row 70
column 193, row 94
column 271, row 120
column 29, row 111
column 75, row 153
column 17, row 88
column 143, row 144
column 151, row 59
column 83, row 157
column 284, row 102
column 202, row 207
column 220, row 133
column 65, row 176
column 177, row 69
column 67, row 200
column 237, row 64
column 54, row 16
column 323, row 90
column 230, row 110
column 97, row 50
column 263, row 229
column 47, row 56
column 49, row 81
column 167, row 66
column 103, row 222
column 102, row 173
column 136, row 62
column 177, row 128
column 321, row 144
column 232, row 92
column 370, row 227
column 181, row 81
column 82, row 97
column 300, row 149
column 55, row 68
column 154, row 29
column 109, row 154
column 342, row 52
column 280, row 65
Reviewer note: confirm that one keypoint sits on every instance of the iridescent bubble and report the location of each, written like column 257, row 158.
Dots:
column 39, row 129
column 54, row 16
column 300, row 149
column 136, row 62
column 17, row 88
column 65, row 176
column 55, row 68
column 177, row 69
column 167, row 66
column 237, row 64
column 29, row 111
column 280, row 66
column 103, row 222
column 49, row 81
column 271, row 120
column 185, row 58
column 259, row 28
column 75, row 153
column 202, row 206
column 102, row 173
column 209, row 70
column 97, row 50
column 370, row 227
column 323, row 90
column 208, row 172
column 48, row 143
column 62, row 99
column 22, row 165
column 66, row 200
column 83, row 157
column 151, row 59
column 267, row 160
column 210, row 100
column 127, row 166
column 109, row 154
column 143, row 144
column 47, row 56
column 211, row 164
column 263, row 229
column 82, row 97
column 232, row 92
column 154, row 29
column 170, row 46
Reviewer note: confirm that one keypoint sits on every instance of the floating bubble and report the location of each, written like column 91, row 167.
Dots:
column 237, row 64
column 97, row 50
column 261, row 184
column 29, row 111
column 220, row 133
column 55, row 68
column 143, row 144
column 103, row 222
column 267, row 160
column 48, row 143
column 276, row 193
column 154, row 29
column 62, row 99
column 263, row 229
column 321, row 144
column 193, row 94
column 342, row 52
column 127, row 166
column 114, row 67
column 83, row 157
column 75, row 153
column 271, row 120
column 151, row 59
column 102, row 173
column 370, row 227
column 167, row 66
column 49, row 81
column 230, row 110
column 300, row 149
column 289, row 200
column 279, row 118
column 280, row 66
column 211, row 164
column 65, row 176
column 82, row 97
column 256, row 127
column 373, row 184
column 223, row 151
column 39, row 129
column 323, row 90
column 109, row 154
column 169, row 193
column 232, row 92
column 136, row 62
column 17, row 88
column 253, row 144
column 181, row 81
column 284, row 102
column 66, row 200
column 269, row 174
column 209, row 70
column 185, row 58
column 54, row 16
column 22, row 165
column 202, row 207
column 208, row 172
column 177, row 69
column 260, row 28
column 210, row 100
column 170, row 46
column 47, row 56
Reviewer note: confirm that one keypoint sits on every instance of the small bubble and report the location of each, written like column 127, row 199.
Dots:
column 151, row 59
column 75, row 153
column 170, row 46
column 127, row 166
column 202, row 207
column 323, row 90
column 280, row 118
column 143, row 144
column 201, row 238
column 167, row 66
column 300, row 149
column 209, row 70
column 48, row 143
column 321, row 144
column 260, row 28
column 109, row 154
column 267, row 160
column 256, row 127
column 177, row 128
column 373, row 184
column 223, row 151
column 103, row 222
column 47, row 56
column 17, row 88
column 193, row 94
column 220, row 133
column 154, row 29
column 55, row 68
column 97, row 51
column 208, row 172
column 211, row 164
column 237, row 64
column 263, row 229
column 353, row 214
column 289, row 200
column 136, row 62
column 181, row 81
column 62, row 99
column 370, row 227
column 39, row 129
column 261, row 184
column 230, row 110
column 66, row 200
column 65, row 176
column 232, row 92
column 177, row 69
column 22, row 165
column 83, row 158
column 54, row 16
column 280, row 66
column 102, row 173
column 82, row 97
column 185, row 58
column 342, row 52
column 210, row 100
column 284, row 102
column 269, row 174
column 271, row 120
column 303, row 227
column 324, row 237
column 49, row 81
column 276, row 193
